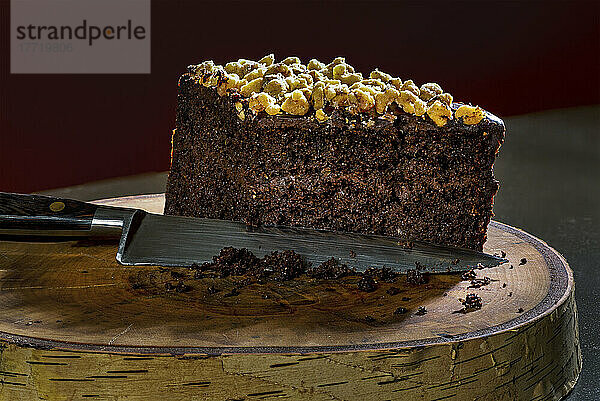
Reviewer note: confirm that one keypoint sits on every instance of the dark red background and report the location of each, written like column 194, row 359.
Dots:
column 510, row 57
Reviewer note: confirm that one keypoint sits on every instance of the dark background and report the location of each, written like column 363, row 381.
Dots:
column 509, row 57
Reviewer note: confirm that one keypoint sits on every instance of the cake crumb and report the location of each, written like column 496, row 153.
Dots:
column 367, row 284
column 470, row 275
column 523, row 261
column 415, row 277
column 471, row 302
column 479, row 282
column 330, row 269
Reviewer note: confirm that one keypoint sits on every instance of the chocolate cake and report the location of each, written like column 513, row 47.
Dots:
column 322, row 146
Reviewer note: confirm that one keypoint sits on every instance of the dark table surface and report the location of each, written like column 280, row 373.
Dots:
column 549, row 172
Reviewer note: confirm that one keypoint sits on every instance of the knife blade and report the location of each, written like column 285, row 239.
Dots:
column 152, row 239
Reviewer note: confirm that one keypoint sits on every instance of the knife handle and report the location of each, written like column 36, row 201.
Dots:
column 36, row 215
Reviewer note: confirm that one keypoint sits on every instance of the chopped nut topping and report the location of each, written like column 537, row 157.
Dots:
column 240, row 111
column 251, row 87
column 384, row 99
column 293, row 88
column 261, row 102
column 439, row 113
column 430, row 90
column 267, row 60
column 470, row 114
column 295, row 103
column 321, row 116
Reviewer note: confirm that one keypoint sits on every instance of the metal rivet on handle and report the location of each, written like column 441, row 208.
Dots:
column 57, row 206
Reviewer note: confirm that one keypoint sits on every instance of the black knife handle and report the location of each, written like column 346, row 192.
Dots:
column 44, row 213
column 45, row 216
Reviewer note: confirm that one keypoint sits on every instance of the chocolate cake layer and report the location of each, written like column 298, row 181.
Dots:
column 404, row 176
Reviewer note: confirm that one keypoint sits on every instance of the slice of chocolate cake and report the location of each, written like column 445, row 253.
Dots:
column 321, row 146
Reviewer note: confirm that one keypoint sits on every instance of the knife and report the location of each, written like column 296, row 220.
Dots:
column 152, row 239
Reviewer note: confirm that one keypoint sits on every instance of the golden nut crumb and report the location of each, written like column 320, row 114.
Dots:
column 240, row 111
column 339, row 70
column 375, row 83
column 446, row 98
column 439, row 113
column 291, row 60
column 396, row 83
column 407, row 100
column 279, row 68
column 470, row 114
column 430, row 90
column 257, row 73
column 411, row 87
column 350, row 79
column 273, row 109
column 307, row 78
column 330, row 91
column 267, row 60
column 384, row 99
column 317, row 76
column 420, row 107
column 275, row 86
column 296, row 82
column 380, row 75
column 363, row 99
column 295, row 103
column 318, row 96
column 260, row 102
column 321, row 116
column 315, row 64
column 336, row 61
column 251, row 87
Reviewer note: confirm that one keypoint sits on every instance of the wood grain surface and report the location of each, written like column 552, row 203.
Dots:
column 74, row 324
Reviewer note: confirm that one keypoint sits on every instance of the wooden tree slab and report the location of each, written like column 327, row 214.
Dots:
column 75, row 324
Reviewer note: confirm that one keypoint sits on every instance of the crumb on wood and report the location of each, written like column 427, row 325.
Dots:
column 470, row 275
column 367, row 284
column 479, row 282
column 421, row 311
column 471, row 302
column 400, row 310
column 415, row 277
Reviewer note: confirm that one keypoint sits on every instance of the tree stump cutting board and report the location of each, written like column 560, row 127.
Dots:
column 74, row 324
